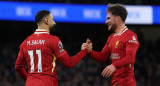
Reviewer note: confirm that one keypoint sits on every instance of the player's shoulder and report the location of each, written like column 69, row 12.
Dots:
column 111, row 35
column 24, row 42
column 130, row 33
column 53, row 37
column 131, row 37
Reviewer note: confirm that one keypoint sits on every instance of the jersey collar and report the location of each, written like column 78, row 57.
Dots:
column 41, row 31
column 123, row 30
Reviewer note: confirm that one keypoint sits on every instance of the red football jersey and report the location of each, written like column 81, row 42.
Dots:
column 122, row 49
column 41, row 51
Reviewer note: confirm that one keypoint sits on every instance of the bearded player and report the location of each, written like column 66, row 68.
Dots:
column 121, row 46
column 40, row 52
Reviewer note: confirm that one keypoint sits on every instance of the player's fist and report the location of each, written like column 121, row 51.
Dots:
column 84, row 46
column 88, row 42
column 108, row 71
column 90, row 48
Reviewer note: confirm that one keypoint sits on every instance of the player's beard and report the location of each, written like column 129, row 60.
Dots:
column 113, row 27
column 52, row 29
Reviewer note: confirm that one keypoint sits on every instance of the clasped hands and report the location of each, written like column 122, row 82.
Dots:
column 108, row 71
column 87, row 45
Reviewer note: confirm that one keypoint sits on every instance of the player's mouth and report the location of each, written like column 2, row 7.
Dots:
column 109, row 25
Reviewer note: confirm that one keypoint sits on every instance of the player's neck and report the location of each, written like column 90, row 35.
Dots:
column 119, row 28
column 43, row 27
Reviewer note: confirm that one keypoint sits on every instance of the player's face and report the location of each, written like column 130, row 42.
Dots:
column 111, row 21
column 51, row 23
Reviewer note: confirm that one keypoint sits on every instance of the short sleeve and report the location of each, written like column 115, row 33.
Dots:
column 57, row 46
column 132, row 43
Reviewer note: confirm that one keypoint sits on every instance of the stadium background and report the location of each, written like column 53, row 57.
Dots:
column 87, row 72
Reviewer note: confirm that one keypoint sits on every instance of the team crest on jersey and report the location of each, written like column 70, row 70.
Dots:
column 116, row 46
column 60, row 46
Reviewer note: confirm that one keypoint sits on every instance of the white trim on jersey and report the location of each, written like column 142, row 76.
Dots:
column 123, row 30
column 41, row 31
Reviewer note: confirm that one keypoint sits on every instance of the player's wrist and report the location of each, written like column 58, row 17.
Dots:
column 89, row 51
column 114, row 64
column 85, row 50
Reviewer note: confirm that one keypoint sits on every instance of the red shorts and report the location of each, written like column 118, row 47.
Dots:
column 41, row 80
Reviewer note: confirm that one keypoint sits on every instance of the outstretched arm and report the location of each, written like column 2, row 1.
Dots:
column 99, row 56
column 70, row 62
column 63, row 56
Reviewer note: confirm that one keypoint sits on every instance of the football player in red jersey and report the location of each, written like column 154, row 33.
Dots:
column 121, row 46
column 40, row 52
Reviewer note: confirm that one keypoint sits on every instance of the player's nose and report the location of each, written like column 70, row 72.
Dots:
column 106, row 22
column 54, row 23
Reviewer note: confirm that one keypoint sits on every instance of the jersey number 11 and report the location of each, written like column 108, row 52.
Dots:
column 38, row 52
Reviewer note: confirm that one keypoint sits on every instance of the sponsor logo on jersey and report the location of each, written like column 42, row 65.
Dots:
column 35, row 42
column 134, row 40
column 60, row 46
column 116, row 46
column 115, row 56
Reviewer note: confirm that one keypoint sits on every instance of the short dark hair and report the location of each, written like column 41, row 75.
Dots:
column 118, row 10
column 40, row 15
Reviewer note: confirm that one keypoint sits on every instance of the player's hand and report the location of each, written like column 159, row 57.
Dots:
column 108, row 71
column 84, row 46
column 88, row 42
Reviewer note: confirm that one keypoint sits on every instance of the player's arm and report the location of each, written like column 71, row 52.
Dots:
column 101, row 56
column 131, row 49
column 63, row 56
column 70, row 62
column 104, row 54
column 19, row 65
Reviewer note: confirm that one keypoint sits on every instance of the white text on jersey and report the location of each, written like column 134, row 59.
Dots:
column 35, row 42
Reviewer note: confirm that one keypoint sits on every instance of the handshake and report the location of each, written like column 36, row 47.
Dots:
column 108, row 71
column 87, row 45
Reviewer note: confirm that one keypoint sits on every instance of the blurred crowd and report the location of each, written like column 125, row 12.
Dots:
column 126, row 2
column 87, row 72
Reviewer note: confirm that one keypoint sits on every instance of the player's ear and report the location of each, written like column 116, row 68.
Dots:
column 118, row 18
column 46, row 21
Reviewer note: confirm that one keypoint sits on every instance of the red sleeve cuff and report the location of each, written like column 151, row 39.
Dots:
column 92, row 52
column 114, row 64
column 85, row 51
